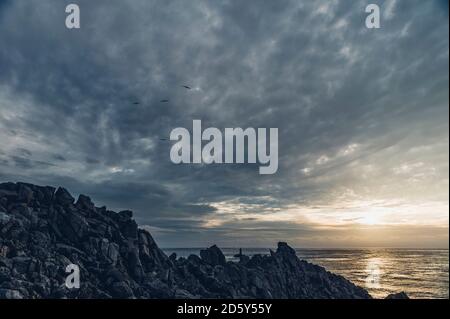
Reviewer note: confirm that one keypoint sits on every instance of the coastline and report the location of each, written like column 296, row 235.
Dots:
column 44, row 230
column 400, row 269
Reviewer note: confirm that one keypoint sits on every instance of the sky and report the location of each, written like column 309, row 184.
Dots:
column 362, row 115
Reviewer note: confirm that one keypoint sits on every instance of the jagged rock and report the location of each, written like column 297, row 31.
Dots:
column 4, row 218
column 121, row 290
column 243, row 259
column 25, row 194
column 84, row 203
column 173, row 257
column 63, row 197
column 125, row 215
column 183, row 294
column 10, row 294
column 400, row 295
column 213, row 256
column 5, row 274
column 43, row 231
column 45, row 194
column 283, row 248
column 7, row 195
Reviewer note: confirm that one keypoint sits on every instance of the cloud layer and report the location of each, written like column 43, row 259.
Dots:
column 362, row 115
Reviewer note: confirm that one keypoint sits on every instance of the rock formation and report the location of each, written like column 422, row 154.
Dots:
column 43, row 230
column 400, row 295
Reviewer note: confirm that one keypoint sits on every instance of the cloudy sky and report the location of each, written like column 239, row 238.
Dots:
column 362, row 115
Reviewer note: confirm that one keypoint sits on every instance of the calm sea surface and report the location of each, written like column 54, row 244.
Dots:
column 420, row 273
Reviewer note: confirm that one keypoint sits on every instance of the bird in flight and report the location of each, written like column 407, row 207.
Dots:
column 164, row 101
column 136, row 103
column 163, row 139
column 186, row 87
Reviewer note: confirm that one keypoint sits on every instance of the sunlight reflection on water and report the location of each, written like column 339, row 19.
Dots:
column 373, row 271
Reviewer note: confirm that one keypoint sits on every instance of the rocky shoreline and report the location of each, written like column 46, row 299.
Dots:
column 43, row 230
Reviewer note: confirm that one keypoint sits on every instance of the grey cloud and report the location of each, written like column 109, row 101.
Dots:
column 319, row 76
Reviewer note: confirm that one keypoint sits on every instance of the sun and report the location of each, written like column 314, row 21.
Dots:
column 370, row 219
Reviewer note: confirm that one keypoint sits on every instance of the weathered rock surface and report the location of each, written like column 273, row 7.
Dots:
column 43, row 230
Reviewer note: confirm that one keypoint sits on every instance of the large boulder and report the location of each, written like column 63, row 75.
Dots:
column 284, row 248
column 213, row 256
column 63, row 197
column 84, row 203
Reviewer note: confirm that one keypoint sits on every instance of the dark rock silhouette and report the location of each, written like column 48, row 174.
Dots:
column 400, row 295
column 42, row 231
column 213, row 256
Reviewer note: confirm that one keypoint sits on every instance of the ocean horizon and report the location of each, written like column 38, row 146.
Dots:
column 423, row 273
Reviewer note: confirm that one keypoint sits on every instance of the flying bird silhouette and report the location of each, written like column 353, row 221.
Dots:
column 136, row 103
column 164, row 101
column 186, row 87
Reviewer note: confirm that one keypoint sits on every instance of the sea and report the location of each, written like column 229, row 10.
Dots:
column 421, row 273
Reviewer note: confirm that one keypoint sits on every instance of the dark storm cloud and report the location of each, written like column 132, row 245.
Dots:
column 348, row 102
column 59, row 157
column 24, row 163
column 24, row 152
